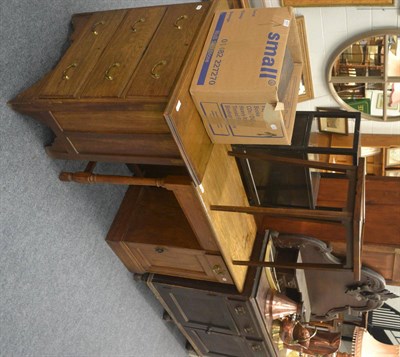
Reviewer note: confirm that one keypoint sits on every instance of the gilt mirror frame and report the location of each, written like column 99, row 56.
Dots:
column 386, row 79
column 306, row 78
column 317, row 3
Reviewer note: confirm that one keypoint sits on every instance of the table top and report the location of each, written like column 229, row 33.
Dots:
column 214, row 173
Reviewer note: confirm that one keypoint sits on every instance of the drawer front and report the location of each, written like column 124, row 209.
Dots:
column 116, row 65
column 166, row 260
column 243, row 315
column 114, row 122
column 74, row 68
column 196, row 308
column 151, row 145
column 160, row 64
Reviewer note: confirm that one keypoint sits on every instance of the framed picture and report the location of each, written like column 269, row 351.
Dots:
column 393, row 173
column 332, row 125
column 306, row 91
column 317, row 3
column 379, row 103
column 245, row 3
column 392, row 157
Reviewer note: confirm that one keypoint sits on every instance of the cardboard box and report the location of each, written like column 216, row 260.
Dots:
column 246, row 83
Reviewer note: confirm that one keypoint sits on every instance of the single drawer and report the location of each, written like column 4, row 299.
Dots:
column 150, row 145
column 119, row 60
column 162, row 61
column 113, row 122
column 242, row 313
column 169, row 260
column 74, row 68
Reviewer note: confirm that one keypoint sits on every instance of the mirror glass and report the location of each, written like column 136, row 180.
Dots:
column 364, row 75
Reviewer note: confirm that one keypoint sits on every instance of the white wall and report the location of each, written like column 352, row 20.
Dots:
column 327, row 28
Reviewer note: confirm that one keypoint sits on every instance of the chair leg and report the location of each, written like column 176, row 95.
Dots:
column 87, row 177
column 287, row 212
column 287, row 265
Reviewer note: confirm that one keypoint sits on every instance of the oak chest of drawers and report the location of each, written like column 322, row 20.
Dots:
column 105, row 98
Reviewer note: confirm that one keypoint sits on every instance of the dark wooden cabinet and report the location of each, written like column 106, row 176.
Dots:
column 216, row 319
column 105, row 99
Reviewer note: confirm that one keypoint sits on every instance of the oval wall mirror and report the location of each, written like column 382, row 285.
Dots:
column 364, row 75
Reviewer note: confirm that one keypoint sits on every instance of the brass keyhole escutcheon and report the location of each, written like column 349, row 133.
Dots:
column 217, row 269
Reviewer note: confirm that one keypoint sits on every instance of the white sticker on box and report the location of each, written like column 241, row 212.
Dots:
column 274, row 127
column 178, row 106
column 286, row 23
column 199, row 7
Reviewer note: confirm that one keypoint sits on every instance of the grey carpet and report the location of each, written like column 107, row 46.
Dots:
column 63, row 292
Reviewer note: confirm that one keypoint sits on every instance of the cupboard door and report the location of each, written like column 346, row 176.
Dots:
column 199, row 309
column 70, row 74
column 159, row 67
column 116, row 65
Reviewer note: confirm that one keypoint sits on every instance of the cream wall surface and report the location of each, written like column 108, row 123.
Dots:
column 327, row 28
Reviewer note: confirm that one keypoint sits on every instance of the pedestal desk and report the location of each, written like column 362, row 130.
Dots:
column 120, row 93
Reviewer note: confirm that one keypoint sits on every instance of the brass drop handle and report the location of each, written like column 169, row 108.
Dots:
column 249, row 330
column 134, row 29
column 65, row 74
column 180, row 18
column 94, row 27
column 108, row 75
column 217, row 269
column 154, row 72
column 240, row 310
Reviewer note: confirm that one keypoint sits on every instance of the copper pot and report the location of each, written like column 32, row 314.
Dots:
column 294, row 334
column 299, row 338
column 277, row 306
